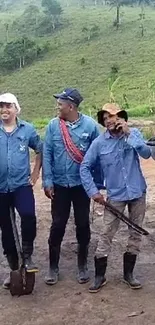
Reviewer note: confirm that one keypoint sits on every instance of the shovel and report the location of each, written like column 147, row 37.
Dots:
column 21, row 282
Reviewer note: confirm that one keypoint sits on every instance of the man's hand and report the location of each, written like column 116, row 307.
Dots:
column 121, row 124
column 34, row 177
column 99, row 198
column 49, row 192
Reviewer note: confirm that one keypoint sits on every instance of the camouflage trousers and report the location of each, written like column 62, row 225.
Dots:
column 136, row 210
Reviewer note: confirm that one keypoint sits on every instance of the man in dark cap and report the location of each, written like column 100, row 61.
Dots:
column 118, row 150
column 67, row 139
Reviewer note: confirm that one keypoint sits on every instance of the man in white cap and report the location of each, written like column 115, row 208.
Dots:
column 16, row 180
column 118, row 150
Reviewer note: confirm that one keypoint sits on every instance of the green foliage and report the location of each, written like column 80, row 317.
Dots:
column 91, row 32
column 52, row 7
column 28, row 22
column 19, row 53
column 141, row 110
column 53, row 10
column 113, row 81
column 72, row 61
column 148, row 132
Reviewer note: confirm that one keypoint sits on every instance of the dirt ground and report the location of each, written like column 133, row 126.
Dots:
column 69, row 303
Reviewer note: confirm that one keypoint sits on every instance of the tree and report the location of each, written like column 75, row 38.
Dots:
column 117, row 4
column 31, row 13
column 113, row 81
column 52, row 9
column 7, row 31
column 27, row 23
column 91, row 32
column 18, row 53
column 5, row 4
column 21, row 52
column 142, row 4
column 2, row 5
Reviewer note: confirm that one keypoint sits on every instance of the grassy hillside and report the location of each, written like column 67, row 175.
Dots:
column 62, row 67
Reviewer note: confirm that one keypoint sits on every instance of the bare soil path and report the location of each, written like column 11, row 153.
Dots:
column 69, row 303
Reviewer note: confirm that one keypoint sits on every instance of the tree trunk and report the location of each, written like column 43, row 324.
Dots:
column 53, row 23
column 142, row 20
column 7, row 32
column 7, row 36
column 20, row 62
column 117, row 15
column 23, row 61
column 89, row 36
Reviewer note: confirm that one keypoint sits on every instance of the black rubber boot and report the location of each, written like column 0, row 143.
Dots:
column 53, row 273
column 28, row 263
column 13, row 264
column 83, row 276
column 129, row 263
column 100, row 269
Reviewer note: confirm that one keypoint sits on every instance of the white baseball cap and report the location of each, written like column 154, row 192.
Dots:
column 10, row 99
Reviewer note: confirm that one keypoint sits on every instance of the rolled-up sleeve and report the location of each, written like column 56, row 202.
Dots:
column 35, row 143
column 86, row 167
column 136, row 140
column 47, row 174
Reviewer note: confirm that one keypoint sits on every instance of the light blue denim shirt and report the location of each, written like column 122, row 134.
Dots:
column 58, row 167
column 14, row 155
column 119, row 161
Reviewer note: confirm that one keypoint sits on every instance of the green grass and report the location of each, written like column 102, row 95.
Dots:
column 62, row 67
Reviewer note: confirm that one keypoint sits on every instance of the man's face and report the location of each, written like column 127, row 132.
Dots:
column 110, row 121
column 64, row 108
column 8, row 112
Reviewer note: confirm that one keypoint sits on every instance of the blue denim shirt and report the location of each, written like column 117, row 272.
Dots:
column 14, row 155
column 58, row 167
column 119, row 161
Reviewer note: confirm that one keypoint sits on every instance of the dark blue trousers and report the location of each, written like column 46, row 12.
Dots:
column 61, row 204
column 23, row 200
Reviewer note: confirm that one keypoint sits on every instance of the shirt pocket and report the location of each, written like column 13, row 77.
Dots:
column 108, row 157
column 84, row 142
column 57, row 141
column 21, row 144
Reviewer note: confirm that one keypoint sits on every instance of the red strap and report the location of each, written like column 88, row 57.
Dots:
column 71, row 148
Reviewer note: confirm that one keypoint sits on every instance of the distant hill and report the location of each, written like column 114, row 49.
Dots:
column 83, row 54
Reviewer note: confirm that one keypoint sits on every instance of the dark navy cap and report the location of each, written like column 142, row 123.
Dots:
column 71, row 94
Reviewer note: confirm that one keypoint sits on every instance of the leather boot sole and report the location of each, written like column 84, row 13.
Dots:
column 97, row 290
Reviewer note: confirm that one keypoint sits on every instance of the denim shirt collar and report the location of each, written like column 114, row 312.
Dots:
column 19, row 123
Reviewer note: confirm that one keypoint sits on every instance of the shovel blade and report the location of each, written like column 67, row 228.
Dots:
column 21, row 282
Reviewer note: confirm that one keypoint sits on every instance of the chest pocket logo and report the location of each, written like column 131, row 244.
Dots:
column 22, row 143
column 84, row 141
column 22, row 147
